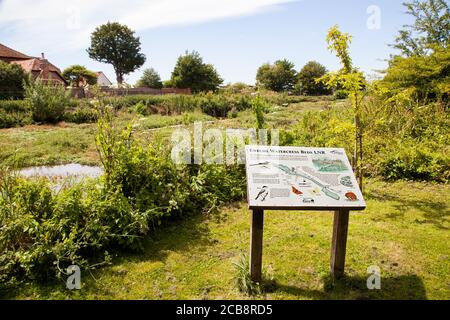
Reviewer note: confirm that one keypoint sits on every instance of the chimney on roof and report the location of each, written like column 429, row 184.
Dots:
column 44, row 66
column 42, row 55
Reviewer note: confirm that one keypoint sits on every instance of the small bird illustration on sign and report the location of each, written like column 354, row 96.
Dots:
column 262, row 193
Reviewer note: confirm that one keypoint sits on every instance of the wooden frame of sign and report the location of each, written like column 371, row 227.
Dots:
column 297, row 178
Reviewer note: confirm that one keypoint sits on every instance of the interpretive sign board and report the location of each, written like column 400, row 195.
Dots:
column 301, row 179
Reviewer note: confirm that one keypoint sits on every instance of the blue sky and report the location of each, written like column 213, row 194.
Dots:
column 237, row 36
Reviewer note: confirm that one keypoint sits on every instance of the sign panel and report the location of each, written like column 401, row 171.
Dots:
column 301, row 178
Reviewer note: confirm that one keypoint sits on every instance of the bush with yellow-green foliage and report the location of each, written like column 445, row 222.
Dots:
column 400, row 142
column 418, row 79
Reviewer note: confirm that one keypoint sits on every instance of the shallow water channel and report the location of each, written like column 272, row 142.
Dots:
column 72, row 170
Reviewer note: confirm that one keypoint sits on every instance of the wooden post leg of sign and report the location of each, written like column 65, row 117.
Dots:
column 339, row 242
column 256, row 242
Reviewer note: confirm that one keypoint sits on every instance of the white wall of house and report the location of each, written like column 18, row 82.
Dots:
column 102, row 80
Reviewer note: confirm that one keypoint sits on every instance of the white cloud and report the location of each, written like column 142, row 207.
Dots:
column 57, row 26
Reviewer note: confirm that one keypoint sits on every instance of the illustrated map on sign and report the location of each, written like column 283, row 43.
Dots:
column 297, row 177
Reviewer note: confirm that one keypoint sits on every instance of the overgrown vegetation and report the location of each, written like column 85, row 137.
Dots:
column 418, row 80
column 47, row 103
column 403, row 119
column 43, row 231
column 12, row 81
column 194, row 258
column 400, row 143
column 259, row 107
column 14, row 113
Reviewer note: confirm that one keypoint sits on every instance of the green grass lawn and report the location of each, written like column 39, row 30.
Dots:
column 404, row 231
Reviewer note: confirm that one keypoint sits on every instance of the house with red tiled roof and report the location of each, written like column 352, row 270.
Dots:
column 39, row 68
column 8, row 54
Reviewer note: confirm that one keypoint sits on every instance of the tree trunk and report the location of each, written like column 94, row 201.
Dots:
column 119, row 78
column 360, row 156
column 357, row 155
column 355, row 150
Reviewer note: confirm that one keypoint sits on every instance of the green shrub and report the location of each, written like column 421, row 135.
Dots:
column 400, row 143
column 11, row 106
column 214, row 105
column 340, row 95
column 330, row 128
column 47, row 103
column 237, row 88
column 149, row 176
column 81, row 114
column 14, row 113
column 182, row 103
column 139, row 108
column 259, row 107
column 284, row 98
column 12, row 79
column 42, row 231
column 415, row 162
column 421, row 78
column 241, row 102
column 130, row 101
column 9, row 120
column 219, row 105
column 165, row 104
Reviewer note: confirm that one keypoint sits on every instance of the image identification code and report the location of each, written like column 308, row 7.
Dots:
column 232, row 309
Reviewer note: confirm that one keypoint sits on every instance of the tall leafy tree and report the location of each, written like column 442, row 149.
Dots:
column 280, row 76
column 307, row 80
column 151, row 79
column 116, row 44
column 191, row 72
column 431, row 27
column 421, row 74
column 75, row 74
